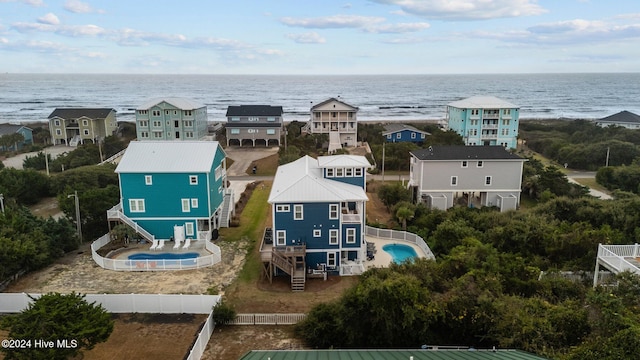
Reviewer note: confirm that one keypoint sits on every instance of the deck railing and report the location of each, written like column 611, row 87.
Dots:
column 396, row 235
column 267, row 319
column 115, row 213
column 613, row 257
column 154, row 265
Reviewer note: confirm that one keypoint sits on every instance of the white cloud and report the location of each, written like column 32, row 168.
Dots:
column 467, row 9
column 66, row 30
column 50, row 19
column 307, row 38
column 4, row 40
column 79, row 7
column 398, row 28
column 36, row 3
column 333, row 22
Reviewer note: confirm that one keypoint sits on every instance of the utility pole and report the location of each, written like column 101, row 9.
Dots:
column 607, row 162
column 2, row 202
column 46, row 160
column 78, row 226
column 383, row 161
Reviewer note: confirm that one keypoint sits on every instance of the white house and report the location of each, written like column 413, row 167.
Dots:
column 336, row 118
column 623, row 118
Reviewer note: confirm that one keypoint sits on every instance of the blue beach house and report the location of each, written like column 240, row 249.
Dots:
column 11, row 129
column 167, row 184
column 318, row 208
column 484, row 120
column 403, row 133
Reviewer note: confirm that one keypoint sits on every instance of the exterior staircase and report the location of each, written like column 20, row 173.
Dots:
column 115, row 213
column 227, row 208
column 74, row 141
column 290, row 259
column 334, row 142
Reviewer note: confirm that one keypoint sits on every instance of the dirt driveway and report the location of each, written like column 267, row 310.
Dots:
column 54, row 151
column 243, row 157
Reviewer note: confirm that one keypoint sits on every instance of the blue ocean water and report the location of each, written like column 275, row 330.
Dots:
column 32, row 97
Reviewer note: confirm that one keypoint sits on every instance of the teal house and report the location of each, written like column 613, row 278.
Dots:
column 11, row 130
column 173, row 189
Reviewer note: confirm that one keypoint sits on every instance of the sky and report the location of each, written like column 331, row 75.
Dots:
column 319, row 37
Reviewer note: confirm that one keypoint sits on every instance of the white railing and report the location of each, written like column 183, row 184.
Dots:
column 396, row 235
column 155, row 265
column 126, row 303
column 350, row 268
column 113, row 157
column 116, row 213
column 613, row 257
column 352, row 218
column 268, row 319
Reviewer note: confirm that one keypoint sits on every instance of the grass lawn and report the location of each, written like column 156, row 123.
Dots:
column 266, row 166
column 591, row 183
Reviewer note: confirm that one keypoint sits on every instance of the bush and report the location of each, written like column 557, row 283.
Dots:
column 223, row 313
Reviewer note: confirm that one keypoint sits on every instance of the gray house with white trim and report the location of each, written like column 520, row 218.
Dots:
column 443, row 176
column 251, row 125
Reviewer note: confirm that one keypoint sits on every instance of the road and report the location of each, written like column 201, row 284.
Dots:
column 55, row 151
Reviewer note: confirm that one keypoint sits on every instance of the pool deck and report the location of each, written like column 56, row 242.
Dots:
column 145, row 248
column 383, row 258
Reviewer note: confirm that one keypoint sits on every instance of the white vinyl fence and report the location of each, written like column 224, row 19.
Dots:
column 154, row 265
column 396, row 235
column 268, row 319
column 200, row 345
column 127, row 303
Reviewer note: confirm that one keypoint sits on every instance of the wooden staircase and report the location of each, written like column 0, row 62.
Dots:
column 290, row 259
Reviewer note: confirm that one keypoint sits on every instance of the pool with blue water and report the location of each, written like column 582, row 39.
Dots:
column 400, row 252
column 166, row 259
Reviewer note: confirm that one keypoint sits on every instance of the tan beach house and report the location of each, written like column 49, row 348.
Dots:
column 73, row 126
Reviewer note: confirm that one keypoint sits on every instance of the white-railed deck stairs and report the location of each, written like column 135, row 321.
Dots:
column 74, row 141
column 334, row 142
column 115, row 213
column 227, row 208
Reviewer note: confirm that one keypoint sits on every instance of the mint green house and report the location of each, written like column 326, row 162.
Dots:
column 169, row 185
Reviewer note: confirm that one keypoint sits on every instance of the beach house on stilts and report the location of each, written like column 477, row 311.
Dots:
column 318, row 208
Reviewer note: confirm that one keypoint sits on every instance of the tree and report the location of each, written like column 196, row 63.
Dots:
column 403, row 214
column 58, row 318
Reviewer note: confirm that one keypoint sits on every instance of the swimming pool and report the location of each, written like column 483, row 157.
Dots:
column 162, row 260
column 163, row 256
column 400, row 252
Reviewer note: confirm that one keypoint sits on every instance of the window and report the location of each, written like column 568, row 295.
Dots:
column 143, row 112
column 157, row 123
column 58, row 132
column 339, row 172
column 252, row 118
column 85, row 122
column 235, row 119
column 389, row 136
column 506, row 122
column 398, row 135
column 271, row 131
column 194, row 203
column 507, row 111
column 57, row 122
column 487, row 180
column 148, row 180
column 282, row 208
column 333, row 211
column 281, row 237
column 166, row 112
column 480, row 163
column 271, row 119
column 317, row 233
column 473, row 122
column 86, row 131
column 297, row 212
column 155, row 113
column 144, row 134
column 454, row 180
column 330, row 172
column 188, row 113
column 351, row 236
column 331, row 260
column 193, row 180
column 334, row 114
column 413, row 135
column 253, row 131
column 136, row 205
column 185, row 205
column 218, row 172
column 333, row 237
column 143, row 123
column 188, row 123
column 348, row 172
column 465, row 163
column 358, row 172
column 188, row 134
column 188, row 228
column 235, row 131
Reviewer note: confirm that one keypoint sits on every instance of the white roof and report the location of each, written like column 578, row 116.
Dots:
column 180, row 103
column 482, row 102
column 343, row 161
column 302, row 181
column 168, row 157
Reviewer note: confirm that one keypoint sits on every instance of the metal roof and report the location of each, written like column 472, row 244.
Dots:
column 254, row 110
column 168, row 157
column 180, row 103
column 461, row 152
column 482, row 102
column 392, row 128
column 462, row 354
column 621, row 117
column 343, row 161
column 76, row 113
column 302, row 181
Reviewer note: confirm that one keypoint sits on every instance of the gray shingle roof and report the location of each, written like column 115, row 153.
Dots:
column 461, row 152
column 330, row 100
column 392, row 128
column 622, row 117
column 254, row 110
column 7, row 129
column 76, row 113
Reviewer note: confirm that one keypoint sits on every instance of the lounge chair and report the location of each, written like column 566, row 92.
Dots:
column 160, row 245
column 176, row 245
column 154, row 245
column 187, row 243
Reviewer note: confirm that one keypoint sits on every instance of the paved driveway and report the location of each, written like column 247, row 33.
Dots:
column 54, row 151
column 243, row 157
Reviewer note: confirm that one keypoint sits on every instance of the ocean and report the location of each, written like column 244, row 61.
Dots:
column 32, row 97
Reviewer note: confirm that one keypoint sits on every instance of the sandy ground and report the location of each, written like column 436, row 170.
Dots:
column 54, row 151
